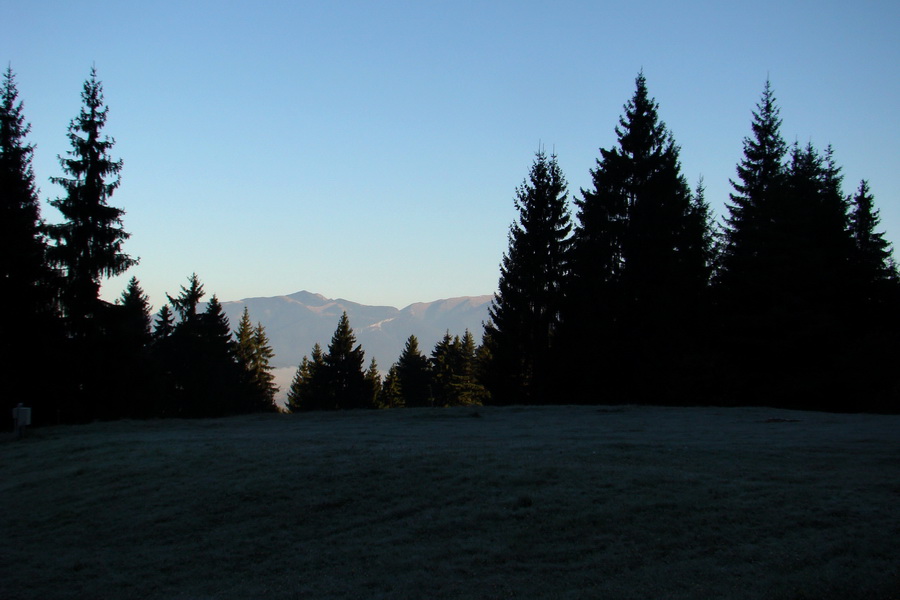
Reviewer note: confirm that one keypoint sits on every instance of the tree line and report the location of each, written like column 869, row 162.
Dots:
column 640, row 296
column 335, row 379
column 74, row 357
column 791, row 301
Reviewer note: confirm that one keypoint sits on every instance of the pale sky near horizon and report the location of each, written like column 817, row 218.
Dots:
column 371, row 150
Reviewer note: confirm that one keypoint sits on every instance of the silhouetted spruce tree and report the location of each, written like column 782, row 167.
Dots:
column 481, row 368
column 128, row 362
column 206, row 377
column 815, row 278
column 342, row 374
column 444, row 363
column 295, row 391
column 187, row 301
column 784, row 281
column 29, row 334
column 391, row 395
column 136, row 305
column 873, row 265
column 306, row 391
column 254, row 354
column 748, row 249
column 218, row 390
column 263, row 379
column 525, row 313
column 175, row 347
column 87, row 248
column 373, row 385
column 88, row 245
column 701, row 225
column 243, row 342
column 470, row 389
column 454, row 372
column 23, row 273
column 815, row 223
column 641, row 262
column 414, row 375
column 875, row 310
column 161, row 356
column 751, row 253
column 165, row 323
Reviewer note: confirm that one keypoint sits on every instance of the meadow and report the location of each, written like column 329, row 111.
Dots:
column 518, row 502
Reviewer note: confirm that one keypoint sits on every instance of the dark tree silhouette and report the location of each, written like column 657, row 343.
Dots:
column 413, row 375
column 165, row 323
column 262, row 379
column 526, row 311
column 255, row 354
column 244, row 346
column 29, row 333
column 453, row 372
column 751, row 256
column 342, row 372
column 88, row 245
column 785, row 279
column 186, row 303
column 204, row 377
column 23, row 274
column 129, row 368
column 373, row 385
column 391, row 396
column 875, row 310
column 760, row 186
column 136, row 305
column 873, row 257
column 641, row 263
column 306, row 391
column 88, row 248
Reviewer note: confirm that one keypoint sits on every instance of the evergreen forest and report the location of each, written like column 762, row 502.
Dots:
column 628, row 291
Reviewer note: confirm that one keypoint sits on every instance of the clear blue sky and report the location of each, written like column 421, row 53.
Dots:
column 371, row 150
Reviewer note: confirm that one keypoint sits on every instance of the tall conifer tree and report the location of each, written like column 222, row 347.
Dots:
column 255, row 354
column 205, row 375
column 136, row 305
column 785, row 277
column 165, row 323
column 343, row 375
column 243, row 342
column 262, row 378
column 22, row 246
column 526, row 311
column 295, row 391
column 390, row 395
column 749, row 249
column 307, row 388
column 29, row 337
column 875, row 310
column 413, row 374
column 127, row 359
column 186, row 303
column 641, row 260
column 89, row 243
column 373, row 385
column 873, row 263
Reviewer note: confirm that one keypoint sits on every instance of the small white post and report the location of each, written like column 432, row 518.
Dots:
column 22, row 418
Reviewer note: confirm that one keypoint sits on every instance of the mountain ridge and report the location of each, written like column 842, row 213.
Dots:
column 295, row 322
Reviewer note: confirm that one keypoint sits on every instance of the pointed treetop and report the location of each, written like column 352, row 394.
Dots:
column 186, row 303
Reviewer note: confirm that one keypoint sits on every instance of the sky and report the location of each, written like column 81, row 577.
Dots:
column 371, row 150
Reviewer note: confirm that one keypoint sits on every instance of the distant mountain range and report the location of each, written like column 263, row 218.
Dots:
column 294, row 323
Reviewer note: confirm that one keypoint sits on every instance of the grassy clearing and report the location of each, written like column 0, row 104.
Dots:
column 555, row 502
